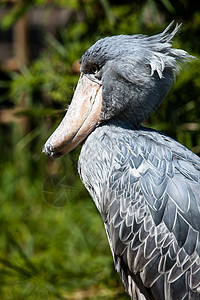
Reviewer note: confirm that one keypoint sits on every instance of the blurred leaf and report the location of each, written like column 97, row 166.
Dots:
column 168, row 5
column 14, row 14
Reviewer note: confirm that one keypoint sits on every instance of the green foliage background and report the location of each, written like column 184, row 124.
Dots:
column 52, row 241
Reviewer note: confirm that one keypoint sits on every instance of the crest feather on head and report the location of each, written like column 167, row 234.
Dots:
column 156, row 51
column 163, row 55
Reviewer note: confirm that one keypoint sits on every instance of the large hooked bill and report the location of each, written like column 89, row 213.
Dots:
column 81, row 118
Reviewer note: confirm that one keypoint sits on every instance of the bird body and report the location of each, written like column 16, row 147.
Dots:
column 145, row 185
column 134, row 177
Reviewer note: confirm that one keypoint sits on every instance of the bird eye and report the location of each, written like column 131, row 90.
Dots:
column 94, row 69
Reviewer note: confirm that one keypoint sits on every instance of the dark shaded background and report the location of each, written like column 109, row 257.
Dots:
column 52, row 240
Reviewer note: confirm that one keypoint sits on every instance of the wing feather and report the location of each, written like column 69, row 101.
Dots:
column 151, row 208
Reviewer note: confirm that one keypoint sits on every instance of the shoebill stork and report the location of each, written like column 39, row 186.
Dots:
column 145, row 185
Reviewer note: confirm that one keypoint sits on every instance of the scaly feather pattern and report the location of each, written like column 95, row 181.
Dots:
column 146, row 187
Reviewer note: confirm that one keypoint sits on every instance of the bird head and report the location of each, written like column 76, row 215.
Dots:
column 124, row 76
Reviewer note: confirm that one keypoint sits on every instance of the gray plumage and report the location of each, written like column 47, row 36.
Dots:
column 136, row 72
column 145, row 185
